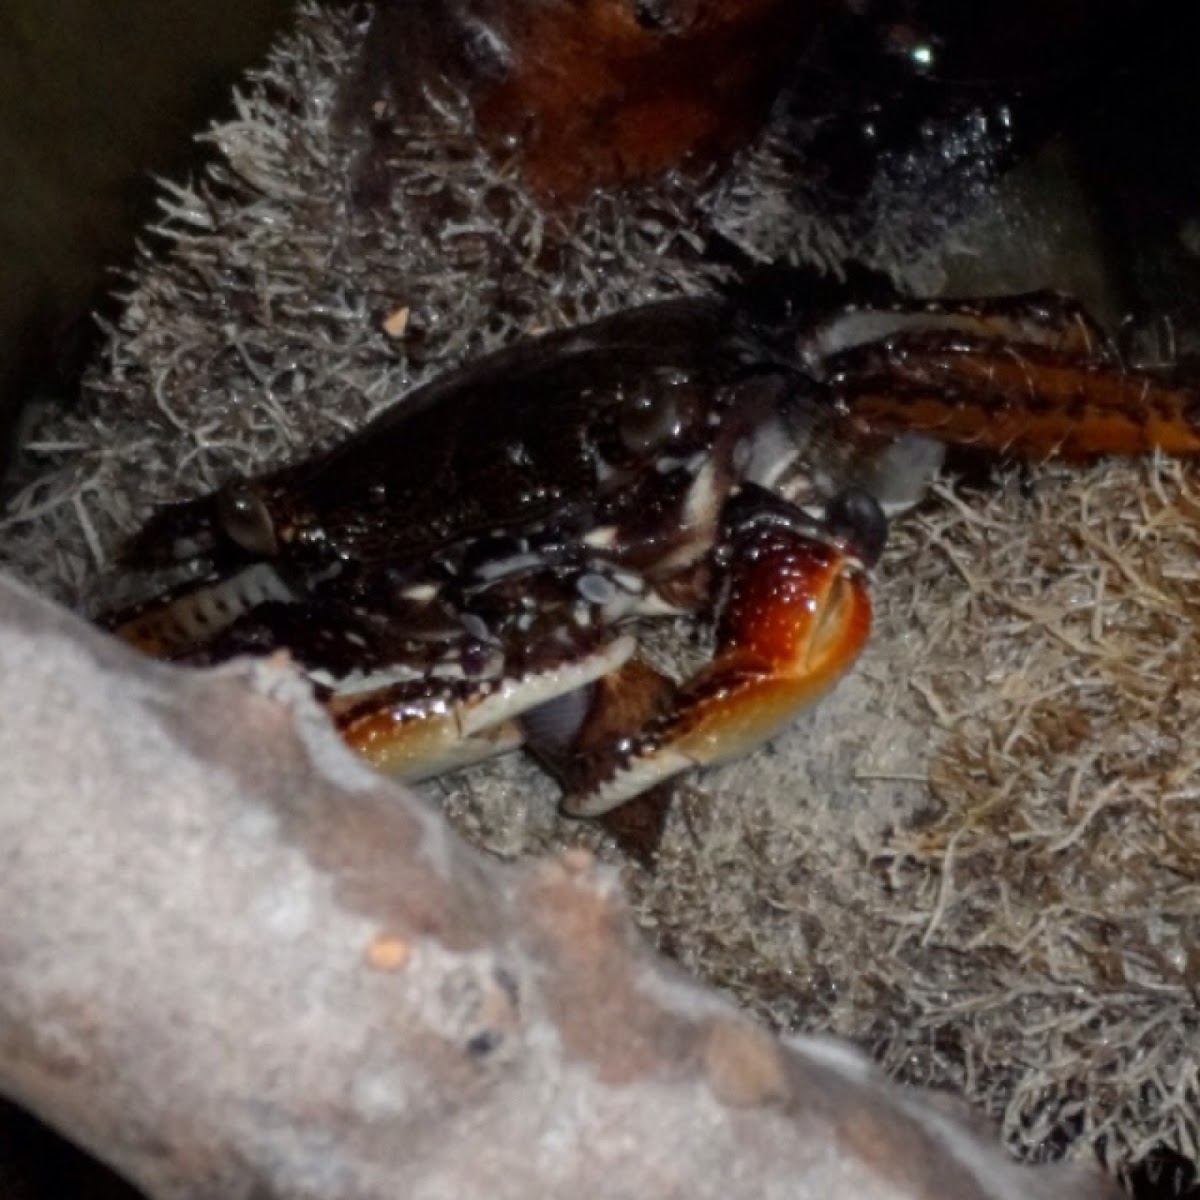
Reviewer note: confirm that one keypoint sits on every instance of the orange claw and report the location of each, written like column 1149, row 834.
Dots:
column 796, row 616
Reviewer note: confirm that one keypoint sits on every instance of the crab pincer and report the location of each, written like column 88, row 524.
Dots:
column 793, row 615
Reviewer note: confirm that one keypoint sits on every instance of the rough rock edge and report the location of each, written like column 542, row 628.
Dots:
column 236, row 963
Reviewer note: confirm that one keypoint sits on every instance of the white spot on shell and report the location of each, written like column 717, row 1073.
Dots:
column 596, row 588
column 421, row 593
column 500, row 567
column 600, row 538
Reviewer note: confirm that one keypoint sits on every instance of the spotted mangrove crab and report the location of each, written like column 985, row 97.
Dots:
column 470, row 572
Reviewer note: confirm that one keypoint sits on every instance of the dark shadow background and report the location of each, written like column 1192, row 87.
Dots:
column 97, row 96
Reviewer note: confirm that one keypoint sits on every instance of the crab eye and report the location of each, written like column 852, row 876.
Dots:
column 245, row 519
column 649, row 420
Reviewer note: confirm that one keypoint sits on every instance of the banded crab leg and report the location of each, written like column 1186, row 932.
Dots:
column 793, row 618
column 1032, row 399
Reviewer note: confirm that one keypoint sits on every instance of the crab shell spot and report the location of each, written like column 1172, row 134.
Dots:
column 415, row 738
column 794, row 622
column 419, row 593
column 513, row 564
column 476, row 626
column 602, row 537
column 596, row 588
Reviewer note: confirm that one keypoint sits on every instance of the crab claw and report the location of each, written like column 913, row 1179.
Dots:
column 794, row 619
column 418, row 729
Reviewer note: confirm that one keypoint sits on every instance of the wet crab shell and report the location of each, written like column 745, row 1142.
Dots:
column 486, row 547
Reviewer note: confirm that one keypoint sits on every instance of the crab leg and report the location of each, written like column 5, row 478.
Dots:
column 1020, row 399
column 794, row 618
column 1047, row 321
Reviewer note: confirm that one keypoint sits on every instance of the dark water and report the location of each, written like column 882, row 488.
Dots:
column 95, row 97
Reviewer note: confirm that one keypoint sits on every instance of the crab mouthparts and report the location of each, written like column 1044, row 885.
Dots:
column 186, row 619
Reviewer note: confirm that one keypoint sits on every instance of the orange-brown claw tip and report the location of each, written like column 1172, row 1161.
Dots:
column 797, row 638
column 840, row 625
column 800, row 608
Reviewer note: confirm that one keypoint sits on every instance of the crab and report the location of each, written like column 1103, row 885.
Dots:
column 472, row 571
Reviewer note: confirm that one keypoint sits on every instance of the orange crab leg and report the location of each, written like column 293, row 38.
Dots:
column 1022, row 400
column 795, row 618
